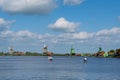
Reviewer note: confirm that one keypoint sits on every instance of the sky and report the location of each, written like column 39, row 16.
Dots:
column 85, row 25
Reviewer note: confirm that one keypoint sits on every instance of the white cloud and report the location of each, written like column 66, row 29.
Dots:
column 28, row 6
column 1, row 2
column 82, row 35
column 64, row 26
column 103, row 36
column 4, row 25
column 106, row 32
column 26, row 39
column 66, row 37
column 27, row 35
column 73, row 2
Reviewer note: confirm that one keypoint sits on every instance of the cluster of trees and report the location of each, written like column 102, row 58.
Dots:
column 117, row 52
column 20, row 54
column 33, row 54
column 4, row 54
column 111, row 53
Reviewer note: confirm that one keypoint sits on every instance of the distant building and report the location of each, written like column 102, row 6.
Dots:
column 19, row 53
column 111, row 53
column 50, row 53
column 100, row 52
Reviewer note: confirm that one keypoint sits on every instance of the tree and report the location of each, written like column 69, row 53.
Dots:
column 111, row 53
column 118, row 52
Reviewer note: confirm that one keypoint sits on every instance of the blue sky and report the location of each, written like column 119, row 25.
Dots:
column 27, row 25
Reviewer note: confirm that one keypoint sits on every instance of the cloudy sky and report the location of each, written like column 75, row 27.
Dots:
column 26, row 25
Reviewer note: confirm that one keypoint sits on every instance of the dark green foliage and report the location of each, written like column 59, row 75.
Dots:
column 112, row 51
column 118, row 52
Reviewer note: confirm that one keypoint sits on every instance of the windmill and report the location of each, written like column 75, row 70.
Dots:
column 45, row 50
column 72, row 51
column 11, row 50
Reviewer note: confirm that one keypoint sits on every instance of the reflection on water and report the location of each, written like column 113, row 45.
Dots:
column 61, row 68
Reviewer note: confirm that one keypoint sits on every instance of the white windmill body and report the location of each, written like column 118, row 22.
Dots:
column 11, row 50
column 45, row 49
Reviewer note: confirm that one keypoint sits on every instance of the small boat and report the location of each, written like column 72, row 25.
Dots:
column 50, row 58
column 85, row 59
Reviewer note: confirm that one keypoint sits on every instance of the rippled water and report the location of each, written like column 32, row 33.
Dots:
column 61, row 68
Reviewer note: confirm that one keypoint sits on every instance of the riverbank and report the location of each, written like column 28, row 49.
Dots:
column 40, row 54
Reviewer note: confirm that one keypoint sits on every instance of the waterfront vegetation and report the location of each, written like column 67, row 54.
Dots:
column 110, row 53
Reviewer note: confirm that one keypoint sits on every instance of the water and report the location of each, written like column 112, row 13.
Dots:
column 61, row 68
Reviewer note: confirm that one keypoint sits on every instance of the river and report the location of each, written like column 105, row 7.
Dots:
column 61, row 68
